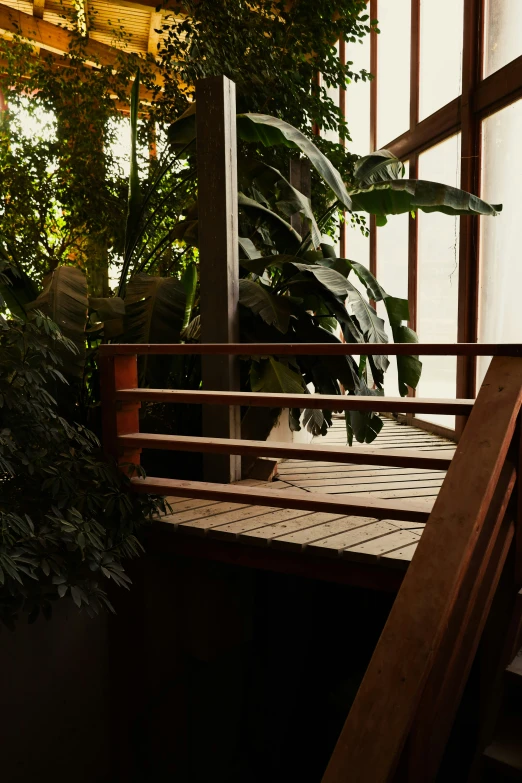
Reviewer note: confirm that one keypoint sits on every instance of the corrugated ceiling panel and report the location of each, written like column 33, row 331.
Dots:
column 109, row 19
column 111, row 40
column 20, row 5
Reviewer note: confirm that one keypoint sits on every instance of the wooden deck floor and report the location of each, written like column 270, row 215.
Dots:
column 321, row 535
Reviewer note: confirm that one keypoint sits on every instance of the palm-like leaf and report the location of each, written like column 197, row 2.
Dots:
column 64, row 300
column 378, row 166
column 274, row 310
column 155, row 309
column 396, row 196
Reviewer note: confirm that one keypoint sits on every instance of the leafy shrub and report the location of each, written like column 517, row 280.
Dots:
column 67, row 520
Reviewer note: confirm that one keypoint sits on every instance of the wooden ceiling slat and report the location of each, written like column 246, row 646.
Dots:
column 56, row 39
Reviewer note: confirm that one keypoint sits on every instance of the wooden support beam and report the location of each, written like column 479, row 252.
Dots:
column 156, row 22
column 38, row 8
column 359, row 505
column 117, row 418
column 219, row 259
column 57, row 39
column 353, row 455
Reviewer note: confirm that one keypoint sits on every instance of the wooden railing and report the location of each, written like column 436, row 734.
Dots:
column 403, row 713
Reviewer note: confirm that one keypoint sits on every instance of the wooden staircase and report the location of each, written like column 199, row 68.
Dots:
column 468, row 558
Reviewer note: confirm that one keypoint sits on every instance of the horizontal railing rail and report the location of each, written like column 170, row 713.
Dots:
column 315, row 349
column 398, row 458
column 336, row 402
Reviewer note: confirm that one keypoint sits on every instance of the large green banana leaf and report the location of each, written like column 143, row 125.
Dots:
column 396, row 196
column 378, row 166
column 285, row 236
column 269, row 185
column 18, row 290
column 154, row 309
column 274, row 310
column 267, row 130
column 409, row 368
column 64, row 300
column 273, row 377
column 189, row 281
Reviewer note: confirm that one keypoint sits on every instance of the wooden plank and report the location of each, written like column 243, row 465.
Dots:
column 392, row 482
column 342, row 543
column 499, row 89
column 353, row 504
column 308, row 535
column 242, row 513
column 317, row 349
column 188, row 504
column 425, row 605
column 378, row 547
column 328, row 401
column 345, row 454
column 242, row 526
column 303, row 522
column 219, row 256
column 405, row 554
column 205, row 513
column 427, row 488
column 359, row 473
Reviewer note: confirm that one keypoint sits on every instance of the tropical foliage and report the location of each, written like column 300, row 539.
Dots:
column 67, row 520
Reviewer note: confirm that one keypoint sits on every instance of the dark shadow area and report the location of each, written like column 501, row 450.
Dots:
column 231, row 675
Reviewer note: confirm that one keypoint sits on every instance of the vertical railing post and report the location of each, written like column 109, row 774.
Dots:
column 119, row 418
column 219, row 260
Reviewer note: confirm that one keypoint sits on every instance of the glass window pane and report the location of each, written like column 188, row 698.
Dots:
column 358, row 99
column 392, row 274
column 503, row 33
column 441, row 36
column 357, row 245
column 393, row 70
column 501, row 236
column 438, row 278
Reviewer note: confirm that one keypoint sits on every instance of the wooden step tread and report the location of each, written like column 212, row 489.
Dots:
column 505, row 752
column 514, row 670
column 332, row 453
column 413, row 511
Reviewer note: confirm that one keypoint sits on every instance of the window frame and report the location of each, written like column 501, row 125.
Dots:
column 480, row 97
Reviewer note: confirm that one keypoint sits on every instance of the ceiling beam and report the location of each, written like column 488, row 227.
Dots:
column 38, row 8
column 156, row 23
column 56, row 39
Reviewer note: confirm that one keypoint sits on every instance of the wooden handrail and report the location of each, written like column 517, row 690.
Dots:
column 398, row 458
column 353, row 504
column 434, row 626
column 336, row 402
column 315, row 349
